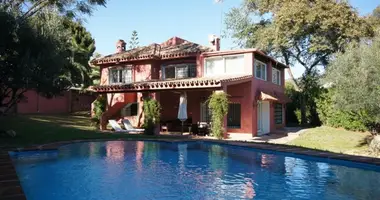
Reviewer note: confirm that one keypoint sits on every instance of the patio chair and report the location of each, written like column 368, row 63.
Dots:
column 116, row 126
column 128, row 126
column 203, row 128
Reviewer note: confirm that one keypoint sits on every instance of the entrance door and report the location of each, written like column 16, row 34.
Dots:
column 263, row 125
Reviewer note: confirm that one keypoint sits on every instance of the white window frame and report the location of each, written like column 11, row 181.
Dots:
column 265, row 73
column 219, row 57
column 127, row 68
column 274, row 71
column 187, row 65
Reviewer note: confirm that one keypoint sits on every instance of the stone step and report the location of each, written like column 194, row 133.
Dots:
column 14, row 197
column 11, row 191
column 6, row 177
column 7, row 170
column 9, row 183
column 6, row 163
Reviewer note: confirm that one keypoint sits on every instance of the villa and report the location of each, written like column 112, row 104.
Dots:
column 253, row 81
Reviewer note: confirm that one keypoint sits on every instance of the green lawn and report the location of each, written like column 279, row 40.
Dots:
column 335, row 140
column 41, row 129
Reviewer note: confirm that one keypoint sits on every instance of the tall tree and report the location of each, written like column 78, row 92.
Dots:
column 82, row 46
column 374, row 18
column 48, row 53
column 70, row 8
column 355, row 77
column 303, row 32
column 95, row 71
column 33, row 56
column 134, row 42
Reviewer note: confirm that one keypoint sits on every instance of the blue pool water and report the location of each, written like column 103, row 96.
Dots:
column 120, row 170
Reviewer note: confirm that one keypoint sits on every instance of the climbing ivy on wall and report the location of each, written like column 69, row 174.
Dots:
column 218, row 104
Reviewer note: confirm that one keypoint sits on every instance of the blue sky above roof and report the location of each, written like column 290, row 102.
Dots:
column 157, row 21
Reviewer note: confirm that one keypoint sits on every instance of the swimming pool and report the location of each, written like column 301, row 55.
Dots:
column 119, row 170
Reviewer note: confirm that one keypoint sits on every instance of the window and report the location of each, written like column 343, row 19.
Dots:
column 276, row 76
column 234, row 115
column 224, row 65
column 131, row 109
column 214, row 66
column 205, row 112
column 278, row 113
column 260, row 70
column 120, row 75
column 179, row 71
column 170, row 72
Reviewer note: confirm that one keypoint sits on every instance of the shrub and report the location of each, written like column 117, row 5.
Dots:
column 99, row 108
column 355, row 76
column 297, row 113
column 151, row 109
column 218, row 104
column 293, row 114
column 331, row 115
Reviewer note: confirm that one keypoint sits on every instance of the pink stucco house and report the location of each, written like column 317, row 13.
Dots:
column 253, row 80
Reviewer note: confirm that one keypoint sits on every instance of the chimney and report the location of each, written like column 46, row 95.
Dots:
column 120, row 46
column 214, row 42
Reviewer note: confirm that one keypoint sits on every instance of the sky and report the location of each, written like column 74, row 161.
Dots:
column 158, row 20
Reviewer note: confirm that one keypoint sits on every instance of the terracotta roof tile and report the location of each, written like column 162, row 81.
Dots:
column 180, row 48
column 272, row 96
column 201, row 82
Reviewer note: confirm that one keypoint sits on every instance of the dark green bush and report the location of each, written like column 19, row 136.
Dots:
column 151, row 108
column 99, row 108
column 293, row 114
column 331, row 115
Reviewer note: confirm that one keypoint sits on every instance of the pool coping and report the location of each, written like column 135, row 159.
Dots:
column 10, row 186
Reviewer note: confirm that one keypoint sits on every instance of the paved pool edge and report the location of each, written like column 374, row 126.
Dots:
column 10, row 186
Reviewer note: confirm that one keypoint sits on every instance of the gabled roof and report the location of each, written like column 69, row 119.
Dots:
column 175, row 47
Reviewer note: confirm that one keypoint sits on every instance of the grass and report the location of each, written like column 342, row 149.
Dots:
column 334, row 140
column 41, row 129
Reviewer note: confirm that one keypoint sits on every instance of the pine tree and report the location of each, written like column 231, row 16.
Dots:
column 134, row 42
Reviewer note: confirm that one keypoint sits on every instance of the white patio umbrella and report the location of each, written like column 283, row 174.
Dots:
column 182, row 109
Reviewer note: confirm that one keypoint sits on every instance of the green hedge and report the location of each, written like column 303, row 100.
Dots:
column 332, row 116
column 99, row 108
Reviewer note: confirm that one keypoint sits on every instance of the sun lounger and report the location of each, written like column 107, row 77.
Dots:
column 128, row 126
column 116, row 126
